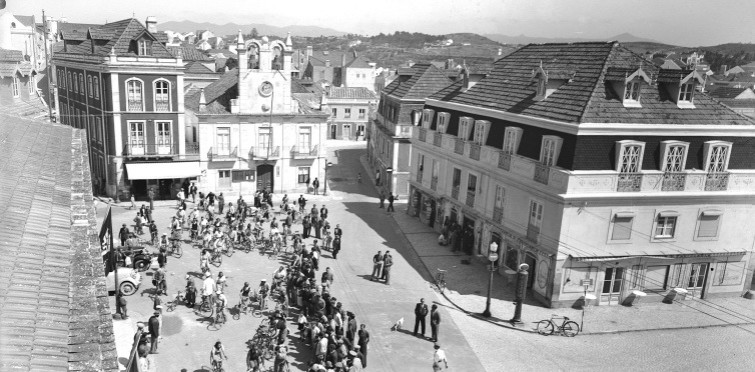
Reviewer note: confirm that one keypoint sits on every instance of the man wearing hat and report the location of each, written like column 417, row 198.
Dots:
column 439, row 359
column 420, row 314
column 123, row 234
column 154, row 330
column 263, row 291
column 360, row 355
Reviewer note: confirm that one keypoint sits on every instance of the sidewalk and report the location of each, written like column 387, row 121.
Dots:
column 467, row 286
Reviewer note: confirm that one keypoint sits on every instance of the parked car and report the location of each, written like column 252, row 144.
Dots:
column 128, row 280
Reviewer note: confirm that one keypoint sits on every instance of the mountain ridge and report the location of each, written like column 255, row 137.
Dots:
column 524, row 39
column 232, row 28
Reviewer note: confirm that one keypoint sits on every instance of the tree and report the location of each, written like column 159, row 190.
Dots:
column 255, row 34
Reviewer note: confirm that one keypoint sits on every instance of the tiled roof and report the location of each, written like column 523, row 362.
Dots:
column 54, row 309
column 587, row 97
column 80, row 27
column 217, row 94
column 426, row 80
column 197, row 68
column 359, row 62
column 351, row 93
column 119, row 36
column 297, row 87
column 739, row 103
column 309, row 103
column 9, row 55
column 34, row 109
column 27, row 21
column 188, row 53
column 10, row 68
column 726, row 92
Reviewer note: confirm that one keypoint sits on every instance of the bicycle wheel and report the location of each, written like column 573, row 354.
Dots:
column 571, row 329
column 545, row 327
column 170, row 306
column 268, row 352
column 229, row 248
column 237, row 313
column 178, row 251
column 257, row 313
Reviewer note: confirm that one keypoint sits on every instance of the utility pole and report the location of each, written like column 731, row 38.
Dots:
column 47, row 71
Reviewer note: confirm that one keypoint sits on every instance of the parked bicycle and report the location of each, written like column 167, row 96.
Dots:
column 440, row 280
column 205, row 307
column 567, row 327
column 219, row 319
column 171, row 305
column 175, row 248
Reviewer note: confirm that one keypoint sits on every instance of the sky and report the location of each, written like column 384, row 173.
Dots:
column 679, row 22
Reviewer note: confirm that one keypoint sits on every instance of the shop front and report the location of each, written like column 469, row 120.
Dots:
column 162, row 180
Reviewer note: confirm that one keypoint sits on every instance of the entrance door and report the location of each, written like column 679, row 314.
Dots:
column 698, row 274
column 530, row 260
column 163, row 139
column 333, row 130
column 139, row 188
column 265, row 177
column 136, row 138
column 468, row 236
column 347, row 131
column 164, row 189
column 611, row 293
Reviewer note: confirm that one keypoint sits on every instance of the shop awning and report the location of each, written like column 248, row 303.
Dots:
column 154, row 171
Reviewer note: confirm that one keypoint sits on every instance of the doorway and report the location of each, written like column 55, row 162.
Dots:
column 346, row 131
column 164, row 189
column 139, row 188
column 698, row 275
column 612, row 283
column 333, row 131
column 531, row 261
column 265, row 177
column 468, row 236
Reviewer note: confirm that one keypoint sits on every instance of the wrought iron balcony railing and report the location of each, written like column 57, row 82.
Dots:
column 422, row 134
column 504, row 160
column 470, row 199
column 257, row 152
column 673, row 181
column 474, row 151
column 542, row 173
column 716, row 181
column 629, row 182
column 459, row 146
column 455, row 192
column 303, row 152
column 438, row 139
column 140, row 149
column 222, row 154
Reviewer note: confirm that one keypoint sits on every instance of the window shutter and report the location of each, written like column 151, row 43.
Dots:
column 708, row 226
column 622, row 228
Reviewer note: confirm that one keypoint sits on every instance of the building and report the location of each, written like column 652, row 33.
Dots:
column 55, row 307
column 604, row 174
column 253, row 132
column 341, row 69
column 18, row 87
column 350, row 111
column 20, row 33
column 120, row 83
column 389, row 135
column 741, row 99
column 199, row 69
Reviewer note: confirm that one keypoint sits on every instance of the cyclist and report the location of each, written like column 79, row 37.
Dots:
column 191, row 292
column 281, row 360
column 163, row 242
column 217, row 354
column 206, row 239
column 245, row 293
column 204, row 261
column 202, row 225
column 194, row 229
column 220, row 282
column 208, row 286
column 278, row 276
column 264, row 289
column 220, row 303
column 153, row 232
column 175, row 228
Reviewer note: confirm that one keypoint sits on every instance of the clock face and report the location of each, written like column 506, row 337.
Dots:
column 266, row 89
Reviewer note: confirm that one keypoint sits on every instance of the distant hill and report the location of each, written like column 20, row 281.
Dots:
column 473, row 39
column 262, row 29
column 523, row 39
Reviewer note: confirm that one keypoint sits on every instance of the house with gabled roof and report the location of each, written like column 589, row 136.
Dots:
column 351, row 109
column 609, row 177
column 19, row 94
column 340, row 68
column 120, row 82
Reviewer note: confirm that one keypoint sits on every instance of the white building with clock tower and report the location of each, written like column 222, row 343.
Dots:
column 252, row 132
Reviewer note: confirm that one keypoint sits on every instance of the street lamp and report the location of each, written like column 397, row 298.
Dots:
column 492, row 257
column 327, row 165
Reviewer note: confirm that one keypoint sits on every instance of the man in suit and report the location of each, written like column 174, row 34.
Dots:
column 420, row 314
column 123, row 234
column 324, row 212
column 434, row 322
column 364, row 339
column 337, row 232
column 154, row 330
column 387, row 264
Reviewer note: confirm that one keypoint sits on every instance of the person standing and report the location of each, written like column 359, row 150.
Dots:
column 122, row 303
column 381, row 196
column 364, row 339
column 377, row 178
column 133, row 201
column 337, row 232
column 154, row 331
column 387, row 264
column 420, row 314
column 434, row 322
column 221, row 203
column 306, row 226
column 377, row 266
column 308, row 182
column 391, row 198
column 123, row 234
column 439, row 359
column 324, row 212
column 336, row 247
column 316, row 186
column 151, row 196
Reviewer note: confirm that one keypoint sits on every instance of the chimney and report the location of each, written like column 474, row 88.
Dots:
column 327, row 63
column 449, row 64
column 355, row 54
column 343, row 60
column 723, row 69
column 151, row 24
column 309, row 51
column 202, row 101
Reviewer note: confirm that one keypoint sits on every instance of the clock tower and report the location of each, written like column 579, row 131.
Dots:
column 264, row 76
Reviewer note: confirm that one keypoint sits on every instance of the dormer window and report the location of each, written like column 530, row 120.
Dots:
column 686, row 92
column 442, row 124
column 680, row 85
column 465, row 124
column 548, row 81
column 144, row 47
column 627, row 83
column 427, row 118
column 481, row 128
column 632, row 91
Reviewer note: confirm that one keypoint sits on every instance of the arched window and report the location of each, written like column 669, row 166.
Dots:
column 254, row 56
column 277, row 58
column 96, row 88
column 162, row 95
column 134, row 95
column 70, row 83
column 89, row 85
column 81, row 84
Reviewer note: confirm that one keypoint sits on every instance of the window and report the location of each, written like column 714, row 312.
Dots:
column 89, row 85
column 629, row 156
column 32, row 85
column 362, row 113
column 717, row 154
column 632, row 91
column 347, row 113
column 686, row 92
column 512, row 257
column 481, row 128
column 457, row 178
column 500, row 196
column 75, row 82
column 303, row 175
column 622, row 226
column 442, row 124
column 427, row 118
column 136, row 136
column 511, row 138
column 162, row 95
column 163, row 133
column 134, row 95
column 305, row 139
column 665, row 225
column 551, row 146
column 14, row 86
column 100, row 132
column 96, row 88
column 81, row 84
column 224, row 179
column 223, row 141
column 421, row 163
column 264, row 139
column 70, row 83
column 144, row 47
column 674, row 156
column 536, row 214
column 335, row 112
column 656, row 277
column 465, row 125
column 472, row 184
column 541, row 85
column 708, row 223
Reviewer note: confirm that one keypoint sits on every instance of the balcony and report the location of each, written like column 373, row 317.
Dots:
column 304, row 152
column 533, row 233
column 222, row 154
column 673, row 181
column 419, row 176
column 716, row 181
column 474, row 151
column 438, row 139
column 191, row 151
column 162, row 106
column 629, row 182
column 498, row 214
column 470, row 199
column 423, row 134
column 455, row 192
column 134, row 106
column 434, row 183
column 542, row 173
column 504, row 160
column 150, row 150
column 257, row 152
column 459, row 146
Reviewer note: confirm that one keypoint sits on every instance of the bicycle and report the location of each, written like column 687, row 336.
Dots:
column 205, row 307
column 217, row 257
column 567, row 328
column 440, row 280
column 219, row 319
column 217, row 366
column 171, row 305
column 228, row 243
column 175, row 248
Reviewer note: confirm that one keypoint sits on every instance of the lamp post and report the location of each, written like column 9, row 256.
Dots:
column 325, row 190
column 492, row 257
